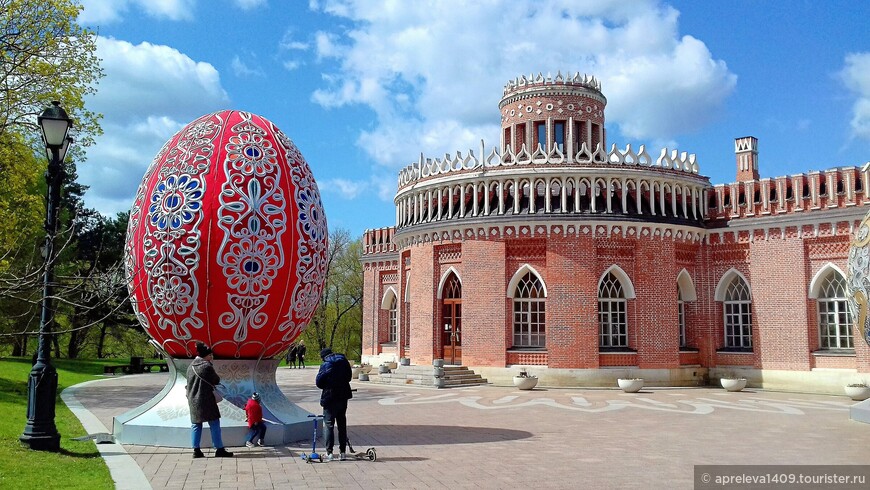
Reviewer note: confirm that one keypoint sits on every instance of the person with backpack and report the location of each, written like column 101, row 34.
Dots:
column 333, row 379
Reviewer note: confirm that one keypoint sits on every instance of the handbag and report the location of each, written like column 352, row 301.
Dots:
column 218, row 396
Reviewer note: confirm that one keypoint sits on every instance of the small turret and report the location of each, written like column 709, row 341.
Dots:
column 746, row 149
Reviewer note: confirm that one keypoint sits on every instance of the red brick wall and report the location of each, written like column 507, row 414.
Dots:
column 572, row 302
column 423, row 320
column 656, row 323
column 484, row 342
column 779, row 282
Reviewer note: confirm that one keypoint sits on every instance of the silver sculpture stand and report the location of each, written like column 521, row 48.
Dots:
column 165, row 419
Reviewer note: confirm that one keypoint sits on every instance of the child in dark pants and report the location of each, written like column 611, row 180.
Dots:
column 255, row 421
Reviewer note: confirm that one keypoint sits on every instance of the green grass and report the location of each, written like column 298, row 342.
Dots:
column 77, row 464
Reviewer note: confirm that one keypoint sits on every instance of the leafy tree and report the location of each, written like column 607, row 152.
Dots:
column 45, row 55
column 337, row 322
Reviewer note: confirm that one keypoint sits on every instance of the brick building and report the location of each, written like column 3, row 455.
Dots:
column 582, row 264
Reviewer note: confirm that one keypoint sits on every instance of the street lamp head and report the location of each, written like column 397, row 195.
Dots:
column 61, row 154
column 55, row 124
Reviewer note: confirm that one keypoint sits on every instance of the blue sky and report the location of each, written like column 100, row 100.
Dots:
column 363, row 87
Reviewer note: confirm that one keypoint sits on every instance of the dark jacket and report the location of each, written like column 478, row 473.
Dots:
column 200, row 391
column 334, row 379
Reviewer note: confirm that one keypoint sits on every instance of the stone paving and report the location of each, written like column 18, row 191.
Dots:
column 499, row 437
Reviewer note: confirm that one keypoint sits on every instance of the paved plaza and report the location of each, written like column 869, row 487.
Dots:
column 499, row 437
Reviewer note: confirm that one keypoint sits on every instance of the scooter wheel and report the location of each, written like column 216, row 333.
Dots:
column 371, row 454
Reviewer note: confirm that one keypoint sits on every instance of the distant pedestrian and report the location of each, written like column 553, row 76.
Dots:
column 255, row 421
column 300, row 354
column 202, row 381
column 334, row 379
column 291, row 355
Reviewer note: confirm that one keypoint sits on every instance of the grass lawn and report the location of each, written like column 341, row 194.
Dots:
column 77, row 464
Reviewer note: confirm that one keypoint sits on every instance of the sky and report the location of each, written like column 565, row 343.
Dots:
column 364, row 87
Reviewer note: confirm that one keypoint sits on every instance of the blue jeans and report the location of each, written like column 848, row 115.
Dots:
column 214, row 426
column 259, row 429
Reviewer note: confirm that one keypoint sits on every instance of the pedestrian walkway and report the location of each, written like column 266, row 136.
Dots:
column 499, row 437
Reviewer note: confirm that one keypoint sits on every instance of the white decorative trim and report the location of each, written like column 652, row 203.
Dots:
column 725, row 280
column 518, row 275
column 623, row 279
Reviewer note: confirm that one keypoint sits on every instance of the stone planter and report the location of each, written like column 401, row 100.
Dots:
column 630, row 385
column 355, row 371
column 366, row 368
column 438, row 372
column 525, row 382
column 733, row 384
column 363, row 376
column 438, row 382
column 438, row 363
column 405, row 361
column 857, row 393
column 383, row 369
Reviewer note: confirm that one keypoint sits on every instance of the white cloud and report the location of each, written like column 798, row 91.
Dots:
column 856, row 76
column 250, row 4
column 243, row 70
column 346, row 188
column 433, row 73
column 148, row 94
column 110, row 11
column 381, row 185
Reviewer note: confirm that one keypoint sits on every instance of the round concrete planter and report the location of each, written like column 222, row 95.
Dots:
column 525, row 382
column 355, row 372
column 383, row 369
column 857, row 393
column 438, row 372
column 438, row 382
column 630, row 385
column 438, row 363
column 405, row 361
column 363, row 376
column 733, row 384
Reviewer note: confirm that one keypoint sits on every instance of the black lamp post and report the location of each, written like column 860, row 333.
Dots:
column 40, row 433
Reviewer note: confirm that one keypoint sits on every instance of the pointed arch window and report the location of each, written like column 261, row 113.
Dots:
column 738, row 315
column 529, row 312
column 681, row 316
column 612, row 321
column 394, row 331
column 835, row 320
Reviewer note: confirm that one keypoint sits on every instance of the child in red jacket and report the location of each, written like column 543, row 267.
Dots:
column 255, row 421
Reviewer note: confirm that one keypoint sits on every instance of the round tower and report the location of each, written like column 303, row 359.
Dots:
column 547, row 113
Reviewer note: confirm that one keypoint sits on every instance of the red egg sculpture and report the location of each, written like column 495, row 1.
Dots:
column 227, row 240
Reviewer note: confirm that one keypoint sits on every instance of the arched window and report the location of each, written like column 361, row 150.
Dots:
column 529, row 315
column 612, row 323
column 738, row 315
column 681, row 316
column 835, row 320
column 394, row 331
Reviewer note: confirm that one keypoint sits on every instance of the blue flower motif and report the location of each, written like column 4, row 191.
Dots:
column 175, row 202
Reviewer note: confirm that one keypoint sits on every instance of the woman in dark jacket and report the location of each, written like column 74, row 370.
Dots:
column 201, row 382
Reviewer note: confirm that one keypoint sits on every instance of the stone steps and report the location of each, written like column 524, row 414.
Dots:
column 453, row 376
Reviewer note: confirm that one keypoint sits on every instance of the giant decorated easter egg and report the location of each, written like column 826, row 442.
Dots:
column 858, row 281
column 227, row 240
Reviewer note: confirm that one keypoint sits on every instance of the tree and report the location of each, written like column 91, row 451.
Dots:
column 337, row 322
column 45, row 56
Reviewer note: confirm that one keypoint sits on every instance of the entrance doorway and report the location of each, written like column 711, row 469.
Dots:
column 451, row 321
